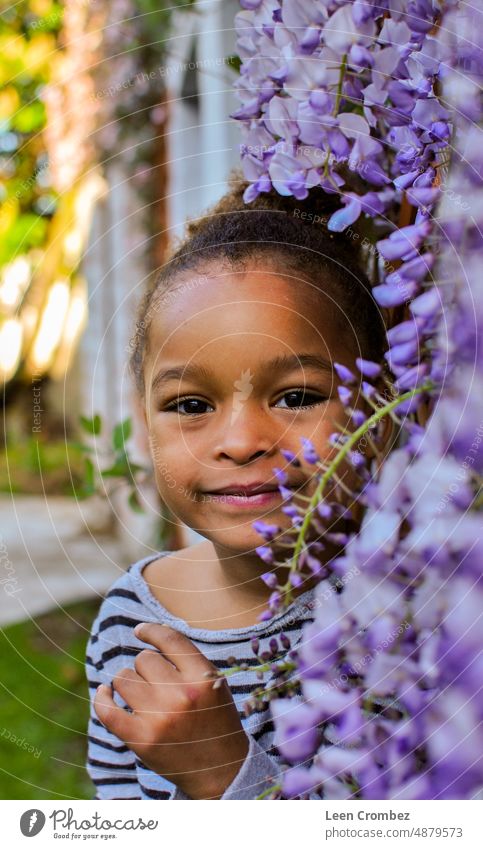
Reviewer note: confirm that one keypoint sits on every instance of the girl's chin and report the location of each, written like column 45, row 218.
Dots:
column 244, row 539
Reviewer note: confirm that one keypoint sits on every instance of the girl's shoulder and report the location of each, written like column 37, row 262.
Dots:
column 130, row 600
column 122, row 607
column 124, row 593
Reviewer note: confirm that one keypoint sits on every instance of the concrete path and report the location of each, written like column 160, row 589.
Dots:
column 54, row 551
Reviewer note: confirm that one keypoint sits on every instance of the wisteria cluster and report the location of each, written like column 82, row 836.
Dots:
column 374, row 101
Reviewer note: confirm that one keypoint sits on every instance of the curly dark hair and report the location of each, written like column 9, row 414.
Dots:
column 293, row 236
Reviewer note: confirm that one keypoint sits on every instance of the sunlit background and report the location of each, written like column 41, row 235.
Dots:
column 114, row 128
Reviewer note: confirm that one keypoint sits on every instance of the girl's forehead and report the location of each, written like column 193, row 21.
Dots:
column 244, row 300
column 245, row 322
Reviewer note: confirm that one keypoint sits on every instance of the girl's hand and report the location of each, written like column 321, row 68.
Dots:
column 180, row 727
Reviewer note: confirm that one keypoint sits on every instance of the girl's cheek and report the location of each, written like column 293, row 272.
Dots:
column 324, row 422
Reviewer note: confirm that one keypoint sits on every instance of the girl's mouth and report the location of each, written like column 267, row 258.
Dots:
column 259, row 499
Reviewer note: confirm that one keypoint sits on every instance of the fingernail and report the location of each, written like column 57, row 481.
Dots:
column 138, row 627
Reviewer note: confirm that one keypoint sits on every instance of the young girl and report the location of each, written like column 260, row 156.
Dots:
column 233, row 358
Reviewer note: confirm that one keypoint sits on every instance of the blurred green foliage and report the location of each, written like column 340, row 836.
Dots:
column 36, row 466
column 28, row 40
column 118, row 463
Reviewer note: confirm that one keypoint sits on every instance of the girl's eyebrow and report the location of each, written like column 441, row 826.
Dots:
column 281, row 363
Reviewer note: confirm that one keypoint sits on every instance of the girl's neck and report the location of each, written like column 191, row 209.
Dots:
column 212, row 587
column 240, row 574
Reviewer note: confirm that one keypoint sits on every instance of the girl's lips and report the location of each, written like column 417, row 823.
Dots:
column 258, row 500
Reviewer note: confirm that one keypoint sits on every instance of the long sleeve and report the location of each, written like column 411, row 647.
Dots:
column 258, row 772
column 114, row 769
column 110, row 764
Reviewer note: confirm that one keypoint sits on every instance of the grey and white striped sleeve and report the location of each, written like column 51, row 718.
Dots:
column 112, row 766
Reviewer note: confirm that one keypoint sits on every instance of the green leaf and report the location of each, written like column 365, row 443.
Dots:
column 121, row 433
column 115, row 471
column 80, row 493
column 134, row 502
column 234, row 61
column 89, row 476
column 27, row 231
column 80, row 446
column 123, row 467
column 119, row 469
column 135, row 467
column 91, row 426
column 29, row 118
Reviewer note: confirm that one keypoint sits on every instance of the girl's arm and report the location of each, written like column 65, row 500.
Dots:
column 258, row 773
column 113, row 767
column 205, row 749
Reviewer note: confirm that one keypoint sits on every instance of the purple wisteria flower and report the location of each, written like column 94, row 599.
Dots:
column 390, row 667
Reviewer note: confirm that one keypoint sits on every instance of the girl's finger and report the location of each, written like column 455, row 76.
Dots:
column 176, row 648
column 133, row 688
column 113, row 717
column 152, row 666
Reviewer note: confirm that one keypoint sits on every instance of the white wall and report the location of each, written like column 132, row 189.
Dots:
column 115, row 269
column 203, row 141
column 202, row 148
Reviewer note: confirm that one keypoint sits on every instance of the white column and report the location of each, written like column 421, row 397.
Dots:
column 115, row 269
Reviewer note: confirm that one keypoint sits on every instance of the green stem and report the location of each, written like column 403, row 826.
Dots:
column 356, row 435
column 339, row 86
column 478, row 501
column 287, row 666
column 335, row 110
column 268, row 791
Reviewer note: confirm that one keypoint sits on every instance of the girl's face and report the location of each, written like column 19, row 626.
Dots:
column 240, row 365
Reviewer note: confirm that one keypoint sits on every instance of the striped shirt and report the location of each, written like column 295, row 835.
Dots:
column 115, row 770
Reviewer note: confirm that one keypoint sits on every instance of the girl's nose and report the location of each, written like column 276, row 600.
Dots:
column 246, row 435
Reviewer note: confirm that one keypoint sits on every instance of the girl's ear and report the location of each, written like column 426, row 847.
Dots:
column 384, row 439
column 387, row 434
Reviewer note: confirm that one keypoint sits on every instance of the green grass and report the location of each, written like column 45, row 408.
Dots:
column 44, row 701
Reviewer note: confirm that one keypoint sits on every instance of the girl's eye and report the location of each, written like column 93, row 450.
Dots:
column 295, row 393
column 194, row 406
column 192, row 403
